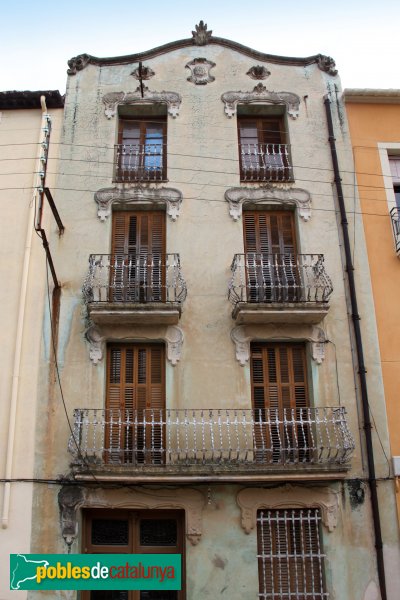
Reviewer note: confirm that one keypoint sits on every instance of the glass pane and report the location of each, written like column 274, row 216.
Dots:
column 159, row 595
column 131, row 133
column 158, row 532
column 110, row 532
column 153, row 147
column 397, row 195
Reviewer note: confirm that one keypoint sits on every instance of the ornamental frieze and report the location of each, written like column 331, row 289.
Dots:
column 260, row 94
column 112, row 100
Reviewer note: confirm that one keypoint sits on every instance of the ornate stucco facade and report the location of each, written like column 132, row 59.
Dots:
column 222, row 150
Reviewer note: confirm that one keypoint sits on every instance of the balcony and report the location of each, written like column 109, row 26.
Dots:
column 211, row 441
column 265, row 162
column 279, row 288
column 140, row 162
column 137, row 289
column 395, row 218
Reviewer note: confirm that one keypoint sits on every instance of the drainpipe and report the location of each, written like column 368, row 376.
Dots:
column 20, row 329
column 360, row 356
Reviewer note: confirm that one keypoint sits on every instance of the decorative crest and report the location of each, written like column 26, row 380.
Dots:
column 201, row 36
column 147, row 73
column 327, row 64
column 261, row 94
column 77, row 63
column 200, row 71
column 258, row 72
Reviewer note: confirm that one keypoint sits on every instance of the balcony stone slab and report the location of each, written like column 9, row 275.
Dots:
column 251, row 313
column 134, row 313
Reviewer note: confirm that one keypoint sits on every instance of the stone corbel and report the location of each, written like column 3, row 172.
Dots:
column 298, row 197
column 106, row 197
column 260, row 94
column 327, row 64
column 242, row 335
column 114, row 99
column 250, row 500
column 318, row 344
column 96, row 343
column 258, row 72
column 70, row 499
column 172, row 335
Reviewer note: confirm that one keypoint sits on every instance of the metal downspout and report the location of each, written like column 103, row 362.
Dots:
column 20, row 330
column 360, row 356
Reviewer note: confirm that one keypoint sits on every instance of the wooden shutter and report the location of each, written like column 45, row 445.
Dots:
column 280, row 400
column 269, row 232
column 290, row 557
column 135, row 403
column 138, row 257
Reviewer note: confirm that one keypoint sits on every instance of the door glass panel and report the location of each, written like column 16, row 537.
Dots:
column 110, row 532
column 158, row 532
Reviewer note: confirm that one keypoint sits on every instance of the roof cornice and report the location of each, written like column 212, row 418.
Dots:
column 27, row 99
column 201, row 37
column 371, row 96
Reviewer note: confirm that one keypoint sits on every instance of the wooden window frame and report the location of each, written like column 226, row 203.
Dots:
column 134, row 516
column 143, row 121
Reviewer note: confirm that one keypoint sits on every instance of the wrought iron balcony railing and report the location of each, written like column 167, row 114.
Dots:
column 265, row 162
column 134, row 278
column 140, row 162
column 228, row 437
column 280, row 278
column 395, row 218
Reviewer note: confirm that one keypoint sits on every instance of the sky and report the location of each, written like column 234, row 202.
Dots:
column 38, row 38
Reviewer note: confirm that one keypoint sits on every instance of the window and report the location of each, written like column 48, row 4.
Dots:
column 290, row 557
column 138, row 257
column 264, row 154
column 135, row 403
column 394, row 162
column 272, row 272
column 140, row 154
column 120, row 532
column 280, row 403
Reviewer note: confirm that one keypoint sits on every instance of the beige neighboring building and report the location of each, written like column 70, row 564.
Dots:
column 23, row 296
column 206, row 359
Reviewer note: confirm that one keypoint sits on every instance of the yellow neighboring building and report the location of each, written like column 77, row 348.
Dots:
column 374, row 118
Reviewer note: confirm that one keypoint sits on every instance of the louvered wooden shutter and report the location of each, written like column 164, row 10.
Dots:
column 135, row 403
column 269, row 232
column 280, row 399
column 138, row 256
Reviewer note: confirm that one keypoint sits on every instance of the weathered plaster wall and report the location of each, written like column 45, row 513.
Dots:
column 203, row 163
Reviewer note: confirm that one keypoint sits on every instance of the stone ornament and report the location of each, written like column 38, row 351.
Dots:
column 201, row 36
column 243, row 335
column 268, row 194
column 97, row 337
column 250, row 500
column 147, row 73
column 112, row 100
column 261, row 94
column 327, row 64
column 107, row 197
column 258, row 72
column 71, row 499
column 200, row 71
column 77, row 63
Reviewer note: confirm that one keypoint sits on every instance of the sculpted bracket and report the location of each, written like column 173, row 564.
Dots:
column 112, row 100
column 237, row 196
column 260, row 94
column 106, row 197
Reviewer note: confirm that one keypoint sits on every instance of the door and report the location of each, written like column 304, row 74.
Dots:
column 130, row 532
column 135, row 403
column 262, row 149
column 142, row 145
column 137, row 272
column 272, row 273
column 280, row 403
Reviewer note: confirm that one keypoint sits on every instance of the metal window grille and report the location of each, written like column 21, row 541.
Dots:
column 290, row 558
